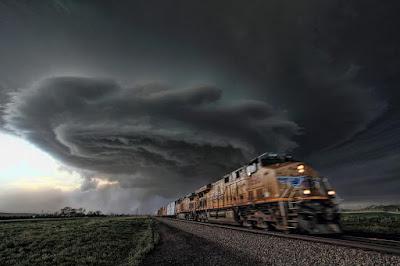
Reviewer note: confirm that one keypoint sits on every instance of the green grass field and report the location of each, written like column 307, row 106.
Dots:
column 371, row 222
column 91, row 241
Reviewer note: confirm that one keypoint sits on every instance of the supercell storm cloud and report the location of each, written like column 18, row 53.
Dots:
column 161, row 97
column 146, row 136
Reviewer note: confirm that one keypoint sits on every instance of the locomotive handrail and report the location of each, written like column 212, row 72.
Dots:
column 282, row 209
column 290, row 203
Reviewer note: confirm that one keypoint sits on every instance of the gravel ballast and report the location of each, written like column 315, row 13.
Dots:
column 271, row 250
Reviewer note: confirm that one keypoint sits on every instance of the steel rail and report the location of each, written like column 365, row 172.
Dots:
column 373, row 240
column 361, row 244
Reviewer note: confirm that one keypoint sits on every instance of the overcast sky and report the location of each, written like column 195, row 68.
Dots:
column 136, row 103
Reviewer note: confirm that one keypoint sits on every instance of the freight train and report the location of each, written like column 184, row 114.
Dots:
column 273, row 192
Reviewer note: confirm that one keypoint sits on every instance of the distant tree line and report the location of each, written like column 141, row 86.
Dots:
column 63, row 213
column 71, row 212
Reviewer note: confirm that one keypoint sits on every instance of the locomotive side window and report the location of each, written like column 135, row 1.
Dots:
column 235, row 175
column 251, row 169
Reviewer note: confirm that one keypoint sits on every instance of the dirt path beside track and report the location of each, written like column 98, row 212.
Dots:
column 177, row 247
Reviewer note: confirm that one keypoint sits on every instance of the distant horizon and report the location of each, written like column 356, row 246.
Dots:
column 349, row 206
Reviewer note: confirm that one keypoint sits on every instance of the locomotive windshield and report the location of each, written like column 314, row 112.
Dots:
column 316, row 185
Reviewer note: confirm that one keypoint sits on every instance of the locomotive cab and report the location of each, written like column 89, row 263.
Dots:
column 295, row 191
column 309, row 200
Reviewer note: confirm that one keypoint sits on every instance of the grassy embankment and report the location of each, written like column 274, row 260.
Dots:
column 371, row 222
column 91, row 241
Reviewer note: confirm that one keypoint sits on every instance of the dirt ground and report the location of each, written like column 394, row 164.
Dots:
column 180, row 248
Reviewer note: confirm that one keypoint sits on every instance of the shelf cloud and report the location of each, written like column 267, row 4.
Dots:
column 150, row 136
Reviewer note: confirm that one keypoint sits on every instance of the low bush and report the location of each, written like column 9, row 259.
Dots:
column 378, row 223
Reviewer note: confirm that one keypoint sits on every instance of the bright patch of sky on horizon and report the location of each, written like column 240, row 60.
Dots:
column 23, row 166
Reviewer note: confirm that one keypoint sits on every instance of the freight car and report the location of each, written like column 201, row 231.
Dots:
column 273, row 192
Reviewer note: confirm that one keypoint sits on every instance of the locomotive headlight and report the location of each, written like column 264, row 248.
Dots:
column 307, row 192
column 331, row 192
column 300, row 168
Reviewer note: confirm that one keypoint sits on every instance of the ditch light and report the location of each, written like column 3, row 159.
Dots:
column 300, row 168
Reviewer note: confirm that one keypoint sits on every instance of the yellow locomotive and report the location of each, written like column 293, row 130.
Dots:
column 273, row 192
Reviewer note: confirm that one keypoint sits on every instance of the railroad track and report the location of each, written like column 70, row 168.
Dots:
column 373, row 240
column 367, row 243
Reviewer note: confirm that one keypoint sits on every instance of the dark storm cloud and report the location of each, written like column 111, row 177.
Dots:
column 331, row 65
column 309, row 57
column 365, row 170
column 373, row 179
column 321, row 61
column 148, row 136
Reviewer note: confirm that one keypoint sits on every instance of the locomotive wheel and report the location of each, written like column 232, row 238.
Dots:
column 287, row 231
column 248, row 224
column 270, row 227
column 302, row 231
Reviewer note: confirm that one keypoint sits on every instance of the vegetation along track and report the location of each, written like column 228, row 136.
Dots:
column 367, row 243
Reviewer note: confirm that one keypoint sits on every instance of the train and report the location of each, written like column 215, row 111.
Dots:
column 272, row 192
